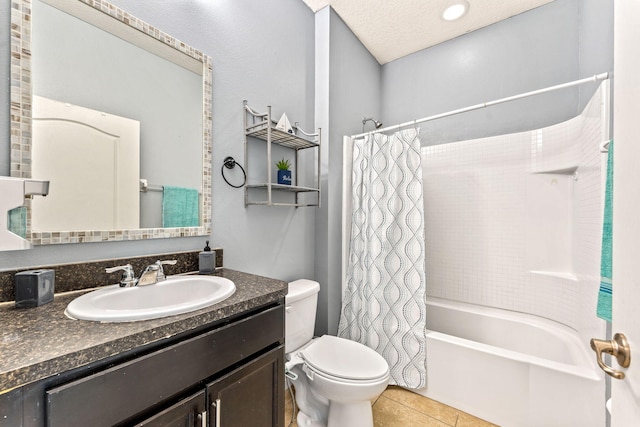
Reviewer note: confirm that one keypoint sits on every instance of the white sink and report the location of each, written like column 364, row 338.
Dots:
column 175, row 295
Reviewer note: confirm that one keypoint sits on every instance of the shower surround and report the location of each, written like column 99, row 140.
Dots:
column 514, row 222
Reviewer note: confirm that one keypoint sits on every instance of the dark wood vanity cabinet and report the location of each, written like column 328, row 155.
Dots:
column 249, row 396
column 232, row 372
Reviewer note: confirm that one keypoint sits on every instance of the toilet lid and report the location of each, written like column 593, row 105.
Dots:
column 344, row 358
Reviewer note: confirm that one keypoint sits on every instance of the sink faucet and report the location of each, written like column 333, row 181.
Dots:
column 153, row 273
column 128, row 278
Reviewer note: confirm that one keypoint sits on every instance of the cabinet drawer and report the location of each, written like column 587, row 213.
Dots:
column 115, row 395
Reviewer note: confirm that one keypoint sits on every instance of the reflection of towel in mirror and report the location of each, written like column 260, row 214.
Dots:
column 18, row 221
column 180, row 207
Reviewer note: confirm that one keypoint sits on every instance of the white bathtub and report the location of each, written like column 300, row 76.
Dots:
column 513, row 369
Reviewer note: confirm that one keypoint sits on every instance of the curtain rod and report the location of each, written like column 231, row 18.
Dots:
column 592, row 79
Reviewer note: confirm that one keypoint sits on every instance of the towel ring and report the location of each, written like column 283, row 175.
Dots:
column 230, row 163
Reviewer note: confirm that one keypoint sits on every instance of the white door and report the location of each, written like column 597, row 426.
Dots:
column 626, row 208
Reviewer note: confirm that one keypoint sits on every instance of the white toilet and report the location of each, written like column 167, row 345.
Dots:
column 335, row 379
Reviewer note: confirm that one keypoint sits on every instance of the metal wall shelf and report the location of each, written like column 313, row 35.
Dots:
column 261, row 131
column 260, row 126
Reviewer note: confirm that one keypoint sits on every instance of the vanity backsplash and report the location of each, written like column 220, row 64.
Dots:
column 85, row 275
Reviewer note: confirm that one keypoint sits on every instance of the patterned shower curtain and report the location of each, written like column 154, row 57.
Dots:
column 384, row 302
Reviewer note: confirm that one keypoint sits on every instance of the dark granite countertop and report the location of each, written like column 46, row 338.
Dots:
column 36, row 343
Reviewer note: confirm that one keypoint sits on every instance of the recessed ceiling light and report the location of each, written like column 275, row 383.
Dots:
column 455, row 11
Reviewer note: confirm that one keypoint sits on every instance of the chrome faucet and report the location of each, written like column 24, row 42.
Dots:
column 153, row 273
column 128, row 278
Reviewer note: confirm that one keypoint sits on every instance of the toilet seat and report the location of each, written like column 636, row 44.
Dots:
column 344, row 360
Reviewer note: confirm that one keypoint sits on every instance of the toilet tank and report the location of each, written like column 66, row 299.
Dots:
column 300, row 313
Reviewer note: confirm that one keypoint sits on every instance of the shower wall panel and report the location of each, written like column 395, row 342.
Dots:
column 514, row 221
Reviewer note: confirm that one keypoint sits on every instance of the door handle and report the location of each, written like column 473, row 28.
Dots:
column 217, row 404
column 617, row 347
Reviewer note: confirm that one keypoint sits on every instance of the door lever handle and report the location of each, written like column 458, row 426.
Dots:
column 617, row 347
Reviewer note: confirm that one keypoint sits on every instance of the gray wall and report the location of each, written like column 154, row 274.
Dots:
column 595, row 32
column 556, row 43
column 348, row 88
column 262, row 52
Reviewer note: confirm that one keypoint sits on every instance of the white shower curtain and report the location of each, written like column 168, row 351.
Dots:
column 384, row 299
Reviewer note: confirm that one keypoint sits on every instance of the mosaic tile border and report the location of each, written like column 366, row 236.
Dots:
column 21, row 110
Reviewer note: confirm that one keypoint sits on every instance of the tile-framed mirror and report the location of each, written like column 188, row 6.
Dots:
column 92, row 57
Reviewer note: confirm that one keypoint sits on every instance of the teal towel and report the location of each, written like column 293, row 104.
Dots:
column 606, row 288
column 180, row 207
column 18, row 221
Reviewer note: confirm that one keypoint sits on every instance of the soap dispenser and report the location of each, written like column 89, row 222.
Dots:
column 207, row 260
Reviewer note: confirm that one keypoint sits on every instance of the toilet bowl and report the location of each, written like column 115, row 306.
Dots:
column 335, row 379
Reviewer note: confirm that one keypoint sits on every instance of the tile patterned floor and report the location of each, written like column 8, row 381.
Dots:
column 397, row 407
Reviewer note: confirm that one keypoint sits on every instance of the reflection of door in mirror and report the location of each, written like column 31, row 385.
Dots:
column 92, row 160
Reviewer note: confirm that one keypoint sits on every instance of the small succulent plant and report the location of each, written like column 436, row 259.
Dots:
column 283, row 164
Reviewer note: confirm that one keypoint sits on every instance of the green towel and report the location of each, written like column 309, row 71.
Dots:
column 18, row 221
column 606, row 286
column 180, row 207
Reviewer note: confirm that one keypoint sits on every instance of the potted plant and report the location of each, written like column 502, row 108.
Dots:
column 284, row 174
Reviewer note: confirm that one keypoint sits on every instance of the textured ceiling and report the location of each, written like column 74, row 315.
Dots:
column 391, row 29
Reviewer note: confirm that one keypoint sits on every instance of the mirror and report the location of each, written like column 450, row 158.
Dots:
column 77, row 66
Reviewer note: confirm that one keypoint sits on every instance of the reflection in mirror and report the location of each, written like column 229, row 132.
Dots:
column 93, row 158
column 115, row 103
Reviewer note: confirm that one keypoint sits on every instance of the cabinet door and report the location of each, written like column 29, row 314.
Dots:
column 189, row 412
column 250, row 396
